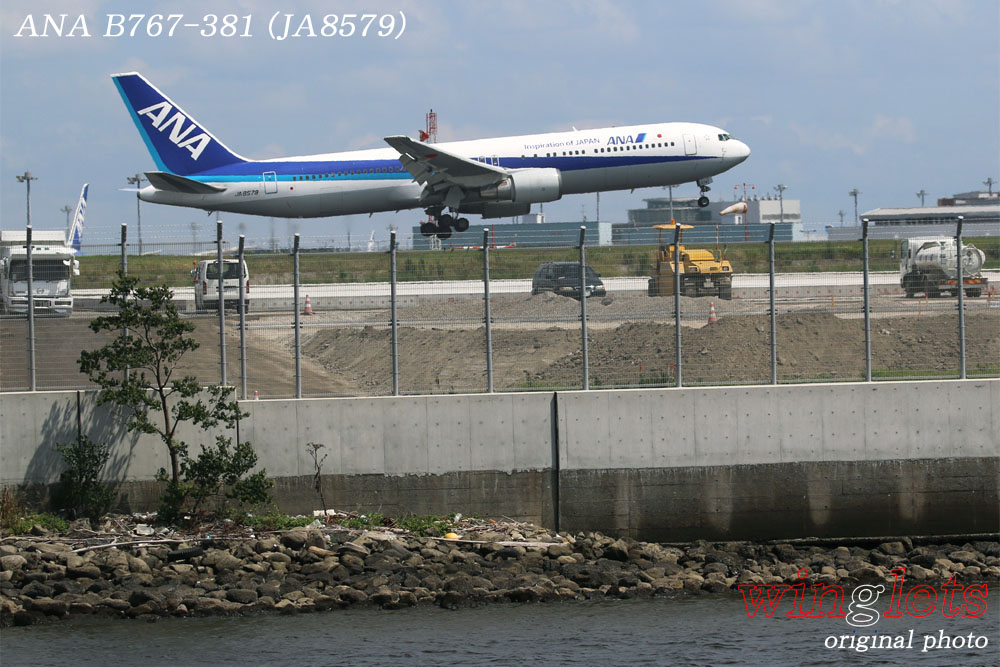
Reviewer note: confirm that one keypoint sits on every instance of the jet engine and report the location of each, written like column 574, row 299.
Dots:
column 527, row 186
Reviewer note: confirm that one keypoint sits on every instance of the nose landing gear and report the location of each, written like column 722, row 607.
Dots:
column 703, row 184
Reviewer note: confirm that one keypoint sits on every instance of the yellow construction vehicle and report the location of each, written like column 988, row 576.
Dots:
column 701, row 272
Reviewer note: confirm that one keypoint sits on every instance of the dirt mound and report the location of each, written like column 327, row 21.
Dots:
column 537, row 345
column 811, row 346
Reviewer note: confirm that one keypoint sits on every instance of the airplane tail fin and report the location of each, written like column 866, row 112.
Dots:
column 178, row 143
column 75, row 235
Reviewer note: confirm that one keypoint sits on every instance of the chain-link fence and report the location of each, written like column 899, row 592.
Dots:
column 319, row 321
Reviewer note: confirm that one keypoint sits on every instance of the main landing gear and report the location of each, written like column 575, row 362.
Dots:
column 444, row 225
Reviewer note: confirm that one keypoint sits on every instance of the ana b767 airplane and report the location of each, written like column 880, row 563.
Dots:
column 493, row 178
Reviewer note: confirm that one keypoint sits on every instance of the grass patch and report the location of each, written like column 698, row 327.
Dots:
column 275, row 521
column 516, row 263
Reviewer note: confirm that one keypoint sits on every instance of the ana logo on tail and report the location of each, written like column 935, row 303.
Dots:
column 158, row 114
column 75, row 235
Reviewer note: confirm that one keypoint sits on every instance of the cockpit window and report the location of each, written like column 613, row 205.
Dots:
column 725, row 137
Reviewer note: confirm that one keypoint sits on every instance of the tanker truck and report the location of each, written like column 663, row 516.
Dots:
column 929, row 265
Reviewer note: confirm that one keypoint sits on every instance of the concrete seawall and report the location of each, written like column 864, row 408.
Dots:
column 717, row 463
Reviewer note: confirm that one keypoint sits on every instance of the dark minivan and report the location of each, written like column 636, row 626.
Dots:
column 564, row 278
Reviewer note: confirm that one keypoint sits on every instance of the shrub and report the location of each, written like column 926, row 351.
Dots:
column 80, row 492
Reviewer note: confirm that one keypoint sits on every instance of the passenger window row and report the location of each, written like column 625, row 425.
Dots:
column 615, row 149
column 349, row 172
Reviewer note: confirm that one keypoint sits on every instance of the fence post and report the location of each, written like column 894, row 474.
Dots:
column 774, row 319
column 222, row 301
column 31, row 309
column 867, row 300
column 961, row 296
column 583, row 308
column 125, row 273
column 393, row 319
column 487, row 316
column 677, row 302
column 298, row 339
column 243, row 320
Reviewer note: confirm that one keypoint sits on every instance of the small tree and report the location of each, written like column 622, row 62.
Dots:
column 136, row 371
column 80, row 492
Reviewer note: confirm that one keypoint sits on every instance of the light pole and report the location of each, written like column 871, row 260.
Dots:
column 67, row 210
column 841, row 214
column 780, row 188
column 922, row 194
column 854, row 193
column 989, row 184
column 27, row 178
column 137, row 181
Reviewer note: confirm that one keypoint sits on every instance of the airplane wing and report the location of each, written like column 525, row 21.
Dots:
column 440, row 170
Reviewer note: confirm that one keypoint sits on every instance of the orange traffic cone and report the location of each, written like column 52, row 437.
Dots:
column 711, row 313
column 255, row 396
column 309, row 307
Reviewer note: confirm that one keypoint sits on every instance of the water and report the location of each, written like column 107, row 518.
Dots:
column 704, row 630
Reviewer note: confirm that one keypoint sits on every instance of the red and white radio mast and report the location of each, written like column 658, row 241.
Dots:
column 431, row 133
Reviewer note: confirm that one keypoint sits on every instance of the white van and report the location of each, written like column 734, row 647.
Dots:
column 206, row 284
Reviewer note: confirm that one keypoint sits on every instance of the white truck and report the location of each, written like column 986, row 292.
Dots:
column 53, row 267
column 929, row 265
column 206, row 284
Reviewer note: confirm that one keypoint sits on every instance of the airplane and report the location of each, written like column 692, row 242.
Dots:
column 74, row 236
column 494, row 178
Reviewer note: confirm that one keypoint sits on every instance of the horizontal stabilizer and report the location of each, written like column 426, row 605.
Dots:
column 162, row 180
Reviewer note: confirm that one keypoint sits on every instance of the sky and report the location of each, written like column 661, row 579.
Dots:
column 887, row 96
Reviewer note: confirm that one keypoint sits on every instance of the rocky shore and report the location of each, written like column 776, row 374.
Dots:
column 47, row 578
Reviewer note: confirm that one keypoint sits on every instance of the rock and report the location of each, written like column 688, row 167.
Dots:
column 286, row 606
column 47, row 606
column 241, row 596
column 277, row 557
column 717, row 568
column 715, row 587
column 559, row 550
column 964, row 557
column 115, row 605
column 350, row 595
column 295, row 539
column 384, row 595
column 142, row 596
column 138, row 565
column 352, row 562
column 315, row 538
column 207, row 605
column 221, row 560
column 37, row 589
column 13, row 562
column 321, row 552
column 52, row 547
column 617, row 550
column 88, row 571
column 892, row 548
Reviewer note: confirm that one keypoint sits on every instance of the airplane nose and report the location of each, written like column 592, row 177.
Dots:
column 742, row 151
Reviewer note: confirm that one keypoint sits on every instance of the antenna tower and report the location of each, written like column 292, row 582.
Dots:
column 432, row 127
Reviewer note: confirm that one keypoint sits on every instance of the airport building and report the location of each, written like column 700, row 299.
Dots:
column 980, row 212
column 708, row 224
